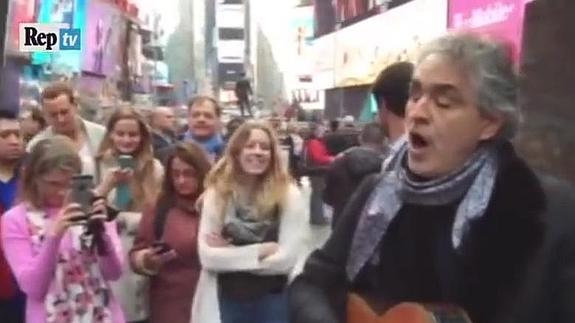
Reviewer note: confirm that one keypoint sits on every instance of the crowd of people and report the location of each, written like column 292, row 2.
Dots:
column 139, row 221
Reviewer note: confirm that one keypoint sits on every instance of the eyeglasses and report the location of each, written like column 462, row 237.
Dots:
column 56, row 185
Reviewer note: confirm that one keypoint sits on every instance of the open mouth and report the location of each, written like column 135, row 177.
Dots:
column 127, row 150
column 257, row 162
column 417, row 141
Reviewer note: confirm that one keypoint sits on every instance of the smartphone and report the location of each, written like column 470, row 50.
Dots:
column 80, row 218
column 123, row 192
column 82, row 192
column 126, row 161
column 164, row 247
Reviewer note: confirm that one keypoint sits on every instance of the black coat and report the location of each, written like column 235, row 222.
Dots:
column 346, row 173
column 522, row 253
column 341, row 140
column 159, row 144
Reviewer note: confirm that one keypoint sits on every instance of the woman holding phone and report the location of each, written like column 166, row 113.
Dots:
column 62, row 258
column 252, row 229
column 130, row 178
column 165, row 248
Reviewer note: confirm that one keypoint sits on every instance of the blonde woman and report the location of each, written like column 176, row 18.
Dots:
column 130, row 178
column 252, row 229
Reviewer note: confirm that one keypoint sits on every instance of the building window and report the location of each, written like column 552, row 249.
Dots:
column 231, row 34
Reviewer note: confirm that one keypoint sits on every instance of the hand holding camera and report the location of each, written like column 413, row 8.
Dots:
column 115, row 177
column 82, row 206
column 65, row 218
column 119, row 175
column 74, row 214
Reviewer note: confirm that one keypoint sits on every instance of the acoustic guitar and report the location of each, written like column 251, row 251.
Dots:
column 359, row 311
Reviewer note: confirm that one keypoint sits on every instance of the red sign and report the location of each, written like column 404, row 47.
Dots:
column 20, row 11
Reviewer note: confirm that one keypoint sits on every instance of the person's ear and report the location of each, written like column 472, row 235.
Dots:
column 491, row 127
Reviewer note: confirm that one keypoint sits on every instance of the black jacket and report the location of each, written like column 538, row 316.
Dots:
column 346, row 173
column 341, row 140
column 160, row 143
column 521, row 255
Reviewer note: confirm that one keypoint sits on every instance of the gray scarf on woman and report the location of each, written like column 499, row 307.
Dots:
column 473, row 184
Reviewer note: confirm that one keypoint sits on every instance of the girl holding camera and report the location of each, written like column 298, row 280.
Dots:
column 166, row 245
column 130, row 178
column 62, row 253
column 252, row 229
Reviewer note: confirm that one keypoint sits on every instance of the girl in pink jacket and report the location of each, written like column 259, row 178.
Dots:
column 61, row 261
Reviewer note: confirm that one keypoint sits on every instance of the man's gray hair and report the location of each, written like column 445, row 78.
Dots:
column 490, row 68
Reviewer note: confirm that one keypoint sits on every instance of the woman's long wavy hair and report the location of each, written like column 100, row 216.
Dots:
column 191, row 154
column 144, row 187
column 272, row 186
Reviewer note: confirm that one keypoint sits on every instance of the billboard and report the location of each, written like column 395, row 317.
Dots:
column 324, row 61
column 329, row 13
column 73, row 14
column 302, row 88
column 500, row 19
column 104, row 40
column 230, row 21
column 359, row 56
column 347, row 10
column 230, row 16
column 302, row 33
column 230, row 72
column 21, row 11
column 231, row 51
column 53, row 11
column 324, row 17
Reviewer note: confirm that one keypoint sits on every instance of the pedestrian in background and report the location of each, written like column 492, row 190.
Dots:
column 295, row 143
column 391, row 92
column 32, row 122
column 232, row 126
column 163, row 123
column 60, row 108
column 252, row 229
column 315, row 162
column 204, row 125
column 165, row 248
column 348, row 170
column 130, row 178
column 11, row 154
column 341, row 136
column 243, row 91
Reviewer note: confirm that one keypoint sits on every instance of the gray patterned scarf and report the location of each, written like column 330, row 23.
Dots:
column 473, row 184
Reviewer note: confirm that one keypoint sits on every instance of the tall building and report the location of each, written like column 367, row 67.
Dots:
column 230, row 44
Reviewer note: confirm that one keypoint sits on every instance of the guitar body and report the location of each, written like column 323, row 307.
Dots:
column 359, row 311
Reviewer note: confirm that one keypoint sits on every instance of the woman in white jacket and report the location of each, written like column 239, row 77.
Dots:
column 131, row 178
column 253, row 228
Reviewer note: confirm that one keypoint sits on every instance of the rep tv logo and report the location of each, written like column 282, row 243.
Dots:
column 48, row 37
